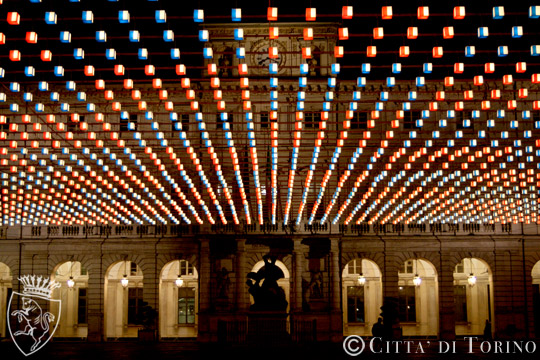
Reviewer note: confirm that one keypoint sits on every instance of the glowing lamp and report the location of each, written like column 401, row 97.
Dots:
column 371, row 51
column 412, row 32
column 470, row 51
column 311, row 14
column 483, row 32
column 180, row 69
column 471, row 280
column 13, row 18
column 272, row 14
column 437, row 52
column 459, row 12
column 496, row 94
column 308, row 34
column 508, row 79
column 198, row 15
column 149, row 70
column 523, row 93
column 14, row 55
column 273, row 32
column 361, row 280
column 236, row 14
column 243, row 69
column 387, row 12
column 378, row 33
column 423, row 13
column 458, row 68
column 179, row 281
column 157, row 83
column 417, row 280
column 517, row 31
column 535, row 78
column 403, row 51
column 31, row 37
column 486, row 105
column 534, row 12
column 478, row 80
column 448, row 32
column 124, row 281
column 273, row 52
column 449, row 81
column 502, row 51
column 343, row 33
column 46, row 55
column 338, row 52
column 100, row 84
column 128, row 84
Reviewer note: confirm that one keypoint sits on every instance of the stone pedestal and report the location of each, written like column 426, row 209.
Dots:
column 267, row 327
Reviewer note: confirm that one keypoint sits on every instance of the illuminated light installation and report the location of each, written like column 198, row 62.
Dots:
column 494, row 160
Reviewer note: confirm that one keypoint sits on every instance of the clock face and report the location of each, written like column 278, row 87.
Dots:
column 261, row 58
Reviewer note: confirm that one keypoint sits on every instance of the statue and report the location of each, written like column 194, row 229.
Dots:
column 315, row 286
column 263, row 286
column 223, row 283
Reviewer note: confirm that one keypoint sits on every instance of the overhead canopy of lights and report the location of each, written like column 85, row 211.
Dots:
column 424, row 115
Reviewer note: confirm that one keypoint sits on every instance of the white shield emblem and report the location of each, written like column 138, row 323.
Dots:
column 33, row 325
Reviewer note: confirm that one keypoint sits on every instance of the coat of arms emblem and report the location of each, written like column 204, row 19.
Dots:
column 32, row 330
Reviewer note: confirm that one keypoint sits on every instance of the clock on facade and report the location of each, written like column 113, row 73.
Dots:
column 261, row 57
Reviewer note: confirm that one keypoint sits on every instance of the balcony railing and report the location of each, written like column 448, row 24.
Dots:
column 305, row 229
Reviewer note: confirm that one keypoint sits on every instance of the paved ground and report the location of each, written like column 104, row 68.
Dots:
column 192, row 350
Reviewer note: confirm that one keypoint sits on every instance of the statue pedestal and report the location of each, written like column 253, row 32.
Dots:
column 268, row 327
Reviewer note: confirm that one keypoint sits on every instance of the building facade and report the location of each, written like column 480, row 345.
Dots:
column 322, row 270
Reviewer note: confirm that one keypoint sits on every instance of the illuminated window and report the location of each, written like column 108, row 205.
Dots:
column 186, row 305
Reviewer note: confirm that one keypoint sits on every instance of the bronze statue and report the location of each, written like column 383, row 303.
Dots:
column 263, row 286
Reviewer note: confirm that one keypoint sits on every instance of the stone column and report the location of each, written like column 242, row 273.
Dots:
column 204, row 292
column 336, row 316
column 204, row 302
column 509, row 295
column 96, row 284
column 241, row 272
column 390, row 276
column 298, row 269
column 150, row 281
column 447, row 322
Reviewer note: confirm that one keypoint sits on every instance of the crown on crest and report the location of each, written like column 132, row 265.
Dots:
column 38, row 286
